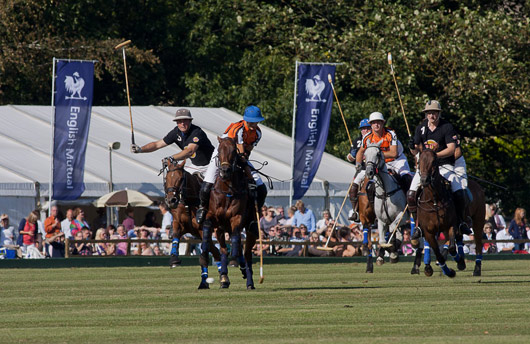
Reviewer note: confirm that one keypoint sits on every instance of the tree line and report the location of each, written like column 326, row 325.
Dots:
column 471, row 55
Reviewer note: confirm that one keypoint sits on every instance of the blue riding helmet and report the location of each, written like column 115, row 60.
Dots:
column 253, row 114
column 364, row 123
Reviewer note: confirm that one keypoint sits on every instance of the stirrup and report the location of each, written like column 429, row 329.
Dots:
column 354, row 217
column 199, row 217
column 415, row 238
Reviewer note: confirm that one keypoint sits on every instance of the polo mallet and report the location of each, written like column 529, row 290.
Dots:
column 326, row 248
column 397, row 89
column 388, row 244
column 261, row 278
column 122, row 46
column 340, row 109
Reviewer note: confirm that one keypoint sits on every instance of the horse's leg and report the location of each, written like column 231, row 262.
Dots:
column 417, row 263
column 237, row 255
column 205, row 249
column 174, row 259
column 382, row 240
column 394, row 249
column 223, row 272
column 367, row 245
column 250, row 242
column 478, row 252
column 434, row 245
column 459, row 257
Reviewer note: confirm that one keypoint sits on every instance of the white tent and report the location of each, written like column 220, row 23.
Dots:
column 25, row 138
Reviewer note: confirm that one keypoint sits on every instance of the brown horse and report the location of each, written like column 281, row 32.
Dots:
column 182, row 197
column 437, row 213
column 231, row 209
column 367, row 217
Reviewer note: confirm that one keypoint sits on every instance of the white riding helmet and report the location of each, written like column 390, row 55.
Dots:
column 376, row 116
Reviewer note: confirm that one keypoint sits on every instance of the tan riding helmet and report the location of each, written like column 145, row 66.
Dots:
column 432, row 105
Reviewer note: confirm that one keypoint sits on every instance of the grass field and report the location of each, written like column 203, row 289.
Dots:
column 329, row 303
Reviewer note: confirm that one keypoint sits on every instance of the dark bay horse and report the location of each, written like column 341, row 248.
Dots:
column 182, row 197
column 231, row 209
column 437, row 213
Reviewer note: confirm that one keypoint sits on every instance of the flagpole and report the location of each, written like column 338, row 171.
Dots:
column 293, row 133
column 52, row 123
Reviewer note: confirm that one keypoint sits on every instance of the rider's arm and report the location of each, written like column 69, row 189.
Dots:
column 391, row 153
column 360, row 154
column 187, row 152
column 153, row 146
column 449, row 151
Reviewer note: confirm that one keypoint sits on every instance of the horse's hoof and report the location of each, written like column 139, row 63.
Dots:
column 365, row 250
column 415, row 270
column 478, row 270
column 233, row 264
column 415, row 244
column 461, row 264
column 174, row 261
column 251, row 287
column 380, row 261
column 451, row 273
column 394, row 258
column 204, row 285
column 224, row 281
column 370, row 266
column 428, row 270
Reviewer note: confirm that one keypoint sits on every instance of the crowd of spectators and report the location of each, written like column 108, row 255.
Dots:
column 36, row 239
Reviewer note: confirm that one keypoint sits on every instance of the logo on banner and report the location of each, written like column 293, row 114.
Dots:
column 314, row 88
column 74, row 84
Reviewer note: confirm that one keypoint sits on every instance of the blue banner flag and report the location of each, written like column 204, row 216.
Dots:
column 313, row 112
column 73, row 105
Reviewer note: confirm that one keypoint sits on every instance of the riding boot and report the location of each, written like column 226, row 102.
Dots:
column 204, row 196
column 460, row 205
column 354, row 199
column 407, row 180
column 413, row 208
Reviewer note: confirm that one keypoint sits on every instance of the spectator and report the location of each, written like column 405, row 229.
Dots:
column 357, row 233
column 528, row 237
column 469, row 248
column 313, row 250
column 79, row 221
column 145, row 247
column 305, row 216
column 517, row 228
column 323, row 223
column 121, row 248
column 304, row 233
column 66, row 224
column 29, row 231
column 406, row 246
column 52, row 226
column 280, row 215
column 496, row 219
column 128, row 223
column 504, row 247
column 81, row 248
column 101, row 248
column 157, row 251
column 268, row 221
column 344, row 250
column 7, row 232
column 293, row 250
column 264, row 210
column 111, row 229
column 167, row 218
column 288, row 223
column 489, row 234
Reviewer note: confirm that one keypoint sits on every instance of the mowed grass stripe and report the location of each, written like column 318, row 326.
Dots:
column 297, row 303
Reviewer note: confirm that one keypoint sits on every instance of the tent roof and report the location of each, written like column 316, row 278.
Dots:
column 25, row 138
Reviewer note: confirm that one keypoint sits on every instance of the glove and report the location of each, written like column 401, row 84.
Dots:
column 358, row 167
column 353, row 151
column 135, row 148
column 412, row 146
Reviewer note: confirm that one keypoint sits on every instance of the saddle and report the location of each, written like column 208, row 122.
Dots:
column 402, row 182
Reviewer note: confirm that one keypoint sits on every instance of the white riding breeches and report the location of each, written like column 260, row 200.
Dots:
column 359, row 177
column 461, row 171
column 191, row 168
column 399, row 165
column 213, row 169
column 447, row 171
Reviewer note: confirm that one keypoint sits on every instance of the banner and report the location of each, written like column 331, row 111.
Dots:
column 313, row 112
column 73, row 106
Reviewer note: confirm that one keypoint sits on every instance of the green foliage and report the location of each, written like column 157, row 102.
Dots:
column 471, row 55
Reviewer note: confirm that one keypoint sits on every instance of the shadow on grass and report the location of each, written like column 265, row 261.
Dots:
column 503, row 282
column 326, row 288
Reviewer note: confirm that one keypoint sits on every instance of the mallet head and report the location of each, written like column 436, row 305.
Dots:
column 122, row 44
column 389, row 58
column 329, row 78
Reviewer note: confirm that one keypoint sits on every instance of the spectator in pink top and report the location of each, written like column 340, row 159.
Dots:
column 128, row 223
column 121, row 248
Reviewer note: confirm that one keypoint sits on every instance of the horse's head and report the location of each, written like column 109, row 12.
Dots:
column 227, row 157
column 428, row 165
column 374, row 159
column 173, row 180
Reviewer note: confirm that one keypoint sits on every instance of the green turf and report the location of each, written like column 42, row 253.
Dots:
column 328, row 303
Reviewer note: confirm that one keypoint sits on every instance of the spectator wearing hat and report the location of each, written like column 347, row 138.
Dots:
column 191, row 139
column 247, row 135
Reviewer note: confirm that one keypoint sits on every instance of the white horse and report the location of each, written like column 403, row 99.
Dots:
column 390, row 200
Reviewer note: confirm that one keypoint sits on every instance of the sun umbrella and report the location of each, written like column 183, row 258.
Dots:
column 124, row 198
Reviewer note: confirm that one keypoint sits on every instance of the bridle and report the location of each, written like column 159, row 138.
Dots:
column 174, row 194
